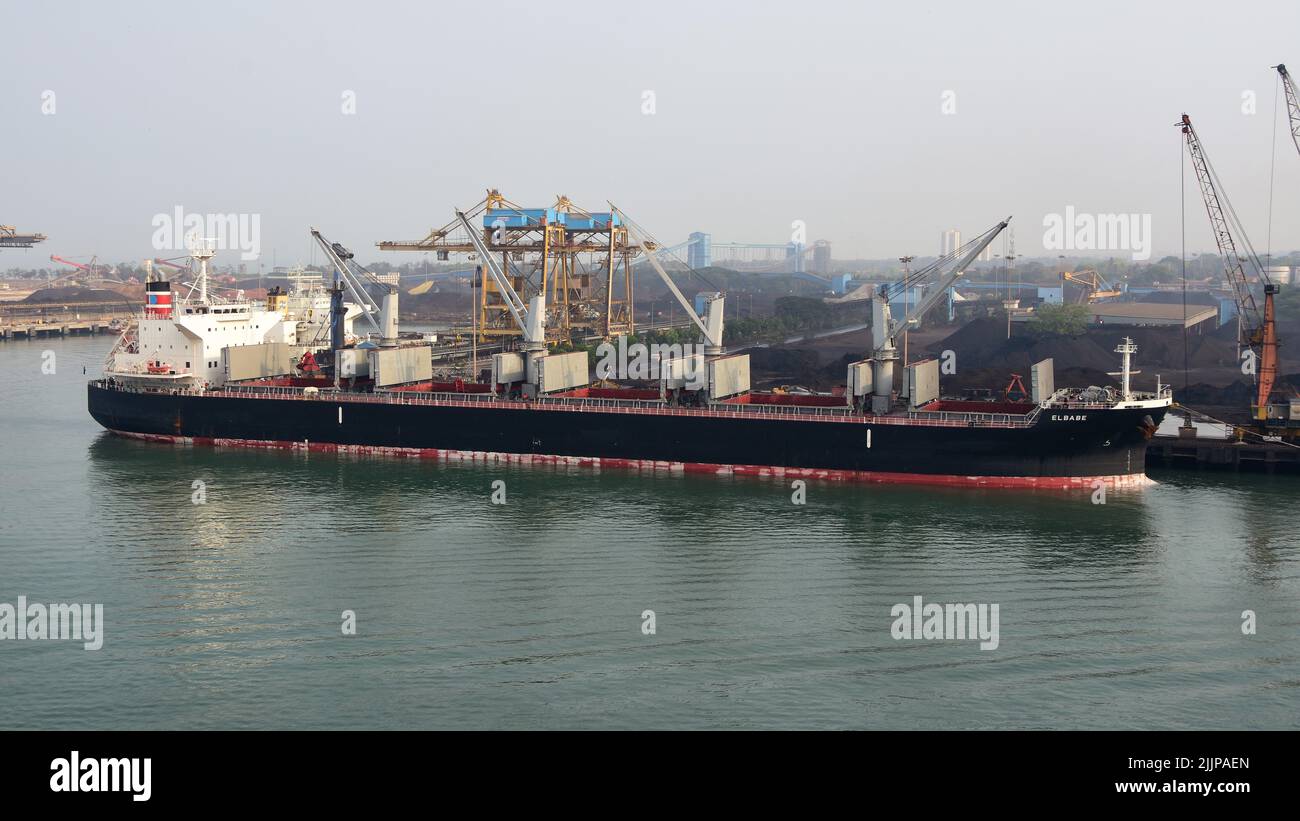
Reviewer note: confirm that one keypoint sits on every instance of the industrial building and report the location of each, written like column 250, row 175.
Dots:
column 1279, row 274
column 1153, row 313
column 822, row 257
column 699, row 251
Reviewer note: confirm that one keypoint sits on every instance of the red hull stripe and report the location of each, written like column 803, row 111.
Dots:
column 656, row 466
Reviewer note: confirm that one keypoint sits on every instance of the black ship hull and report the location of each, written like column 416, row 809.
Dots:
column 1058, row 449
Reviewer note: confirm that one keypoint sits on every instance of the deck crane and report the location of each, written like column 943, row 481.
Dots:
column 1258, row 331
column 885, row 328
column 1292, row 104
column 530, row 316
column 358, row 283
column 711, row 323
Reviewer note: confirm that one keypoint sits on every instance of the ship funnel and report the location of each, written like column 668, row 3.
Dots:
column 158, row 299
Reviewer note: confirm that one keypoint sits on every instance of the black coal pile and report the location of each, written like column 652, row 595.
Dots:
column 983, row 343
column 434, row 305
column 47, row 296
column 795, row 364
column 1239, row 393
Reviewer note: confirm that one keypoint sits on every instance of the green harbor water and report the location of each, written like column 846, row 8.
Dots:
column 229, row 614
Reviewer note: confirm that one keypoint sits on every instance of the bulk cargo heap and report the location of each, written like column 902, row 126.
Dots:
column 269, row 389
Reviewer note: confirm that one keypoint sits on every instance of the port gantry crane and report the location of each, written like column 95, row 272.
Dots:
column 1258, row 331
column 10, row 238
column 1292, row 104
column 573, row 258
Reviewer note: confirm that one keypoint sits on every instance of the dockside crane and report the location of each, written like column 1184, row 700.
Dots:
column 1258, row 331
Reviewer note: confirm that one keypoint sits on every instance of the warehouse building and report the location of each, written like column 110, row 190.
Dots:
column 1198, row 317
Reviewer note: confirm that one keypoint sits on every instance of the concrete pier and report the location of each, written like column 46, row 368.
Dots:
column 1196, row 453
column 45, row 330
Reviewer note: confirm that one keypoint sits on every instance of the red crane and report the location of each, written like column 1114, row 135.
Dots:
column 1292, row 104
column 171, row 264
column 90, row 269
column 1257, row 331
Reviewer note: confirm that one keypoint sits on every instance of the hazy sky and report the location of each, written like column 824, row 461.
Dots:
column 764, row 113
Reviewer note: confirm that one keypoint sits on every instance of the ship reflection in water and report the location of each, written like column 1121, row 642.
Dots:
column 767, row 613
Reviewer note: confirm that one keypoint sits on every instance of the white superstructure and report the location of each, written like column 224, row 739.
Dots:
column 1123, row 399
column 178, row 340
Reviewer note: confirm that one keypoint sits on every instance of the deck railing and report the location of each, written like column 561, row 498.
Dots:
column 601, row 405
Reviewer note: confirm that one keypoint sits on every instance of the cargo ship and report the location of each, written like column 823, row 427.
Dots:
column 263, row 388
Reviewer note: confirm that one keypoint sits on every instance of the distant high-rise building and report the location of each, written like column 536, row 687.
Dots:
column 949, row 242
column 987, row 254
column 699, row 254
column 822, row 257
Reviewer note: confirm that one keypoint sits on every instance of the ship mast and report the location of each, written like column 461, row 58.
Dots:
column 1126, row 349
column 202, row 249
